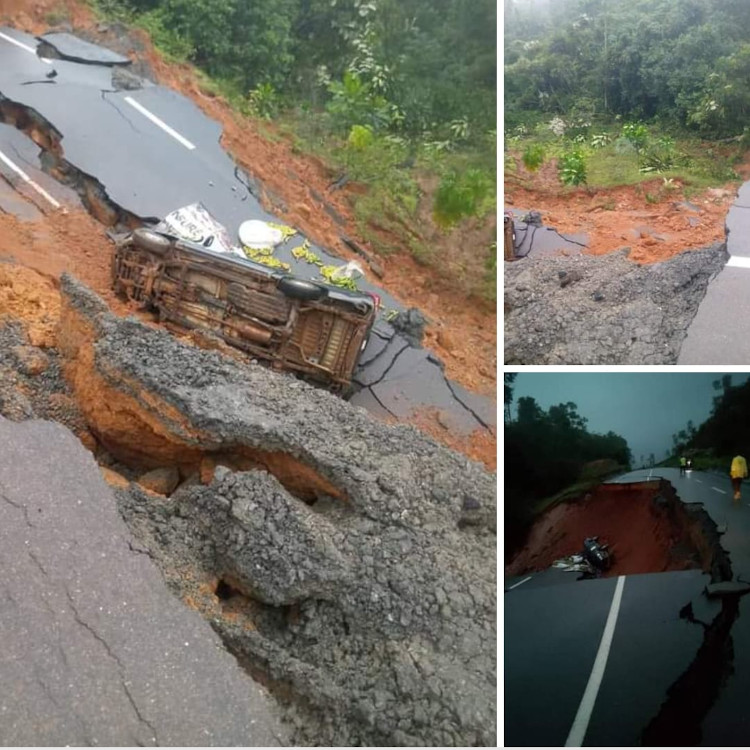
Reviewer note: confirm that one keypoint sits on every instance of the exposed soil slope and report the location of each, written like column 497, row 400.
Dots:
column 648, row 528
column 654, row 221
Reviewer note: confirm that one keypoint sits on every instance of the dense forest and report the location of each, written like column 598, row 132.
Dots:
column 546, row 451
column 725, row 433
column 685, row 62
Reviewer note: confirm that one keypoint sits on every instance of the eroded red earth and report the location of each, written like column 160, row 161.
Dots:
column 644, row 535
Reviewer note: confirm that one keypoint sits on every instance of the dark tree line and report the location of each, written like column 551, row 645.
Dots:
column 546, row 451
column 685, row 61
column 727, row 431
column 411, row 64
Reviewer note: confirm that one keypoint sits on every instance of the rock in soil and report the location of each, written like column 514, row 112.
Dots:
column 162, row 480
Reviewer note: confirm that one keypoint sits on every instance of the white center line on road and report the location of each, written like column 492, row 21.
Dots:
column 738, row 261
column 519, row 583
column 699, row 481
column 157, row 121
column 23, row 46
column 723, row 492
column 28, row 180
column 581, row 722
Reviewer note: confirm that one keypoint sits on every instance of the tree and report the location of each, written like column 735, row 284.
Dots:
column 509, row 379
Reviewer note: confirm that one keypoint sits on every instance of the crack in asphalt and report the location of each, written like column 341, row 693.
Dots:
column 20, row 507
column 382, row 336
column 466, row 406
column 246, row 185
column 691, row 696
column 567, row 239
column 140, row 550
column 104, row 93
column 375, row 396
column 121, row 667
column 387, row 369
column 362, row 365
column 523, row 241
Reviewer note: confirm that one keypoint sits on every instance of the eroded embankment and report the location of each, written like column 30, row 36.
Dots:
column 348, row 564
column 648, row 528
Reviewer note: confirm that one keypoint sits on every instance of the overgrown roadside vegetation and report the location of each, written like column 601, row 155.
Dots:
column 398, row 98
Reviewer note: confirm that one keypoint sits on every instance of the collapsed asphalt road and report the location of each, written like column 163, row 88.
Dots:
column 135, row 151
column 605, row 309
column 677, row 668
column 347, row 564
column 96, row 651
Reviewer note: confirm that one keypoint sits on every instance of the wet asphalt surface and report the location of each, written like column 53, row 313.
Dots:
column 150, row 171
column 715, row 336
column 95, row 649
column 670, row 679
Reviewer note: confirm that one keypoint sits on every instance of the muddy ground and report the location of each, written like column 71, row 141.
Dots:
column 631, row 294
column 348, row 564
column 647, row 527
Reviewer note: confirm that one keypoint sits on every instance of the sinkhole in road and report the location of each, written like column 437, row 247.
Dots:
column 648, row 529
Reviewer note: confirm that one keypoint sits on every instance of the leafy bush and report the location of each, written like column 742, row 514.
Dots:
column 599, row 140
column 533, row 157
column 264, row 101
column 571, row 168
column 360, row 137
column 636, row 133
column 165, row 37
column 460, row 196
column 353, row 102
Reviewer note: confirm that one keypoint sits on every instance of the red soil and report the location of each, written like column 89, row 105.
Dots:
column 650, row 218
column 641, row 535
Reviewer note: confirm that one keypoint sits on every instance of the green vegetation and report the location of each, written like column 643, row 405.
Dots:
column 723, row 435
column 549, row 453
column 635, row 88
column 395, row 94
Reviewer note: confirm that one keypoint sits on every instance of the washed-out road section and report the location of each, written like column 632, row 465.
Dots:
column 677, row 671
column 153, row 151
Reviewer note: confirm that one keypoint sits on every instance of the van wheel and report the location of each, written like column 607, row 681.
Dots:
column 301, row 289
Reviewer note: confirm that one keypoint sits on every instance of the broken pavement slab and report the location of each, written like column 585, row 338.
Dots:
column 96, row 650
column 727, row 588
column 70, row 47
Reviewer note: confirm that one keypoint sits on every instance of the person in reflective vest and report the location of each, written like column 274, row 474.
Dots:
column 683, row 464
column 738, row 472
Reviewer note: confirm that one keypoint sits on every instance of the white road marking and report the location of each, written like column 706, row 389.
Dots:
column 738, row 261
column 519, row 583
column 723, row 492
column 28, row 180
column 699, row 481
column 23, row 46
column 157, row 121
column 581, row 722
